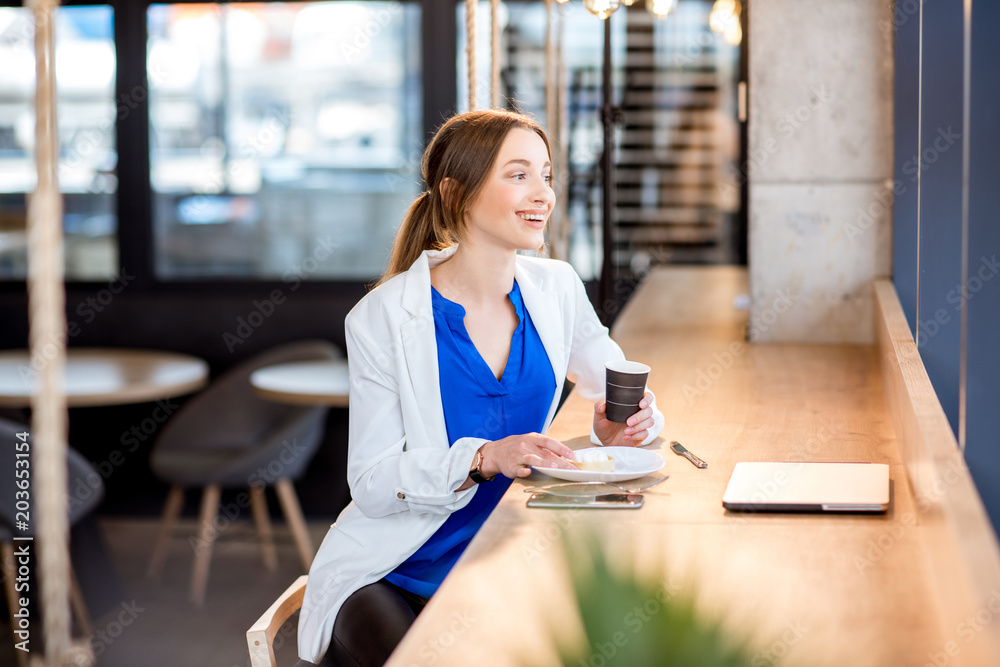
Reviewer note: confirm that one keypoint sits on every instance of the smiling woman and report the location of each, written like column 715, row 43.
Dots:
column 457, row 361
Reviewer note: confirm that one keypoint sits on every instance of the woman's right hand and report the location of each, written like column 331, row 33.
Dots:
column 515, row 455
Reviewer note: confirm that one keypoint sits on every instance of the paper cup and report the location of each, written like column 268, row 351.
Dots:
column 624, row 388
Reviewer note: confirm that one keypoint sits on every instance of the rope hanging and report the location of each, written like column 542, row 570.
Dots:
column 470, row 49
column 550, row 66
column 47, row 340
column 495, row 54
column 558, row 227
column 562, row 153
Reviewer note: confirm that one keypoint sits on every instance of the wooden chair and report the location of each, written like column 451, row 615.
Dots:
column 260, row 636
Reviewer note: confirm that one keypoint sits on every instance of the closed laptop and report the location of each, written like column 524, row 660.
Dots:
column 808, row 487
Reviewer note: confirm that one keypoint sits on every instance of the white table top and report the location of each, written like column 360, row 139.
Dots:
column 105, row 376
column 304, row 382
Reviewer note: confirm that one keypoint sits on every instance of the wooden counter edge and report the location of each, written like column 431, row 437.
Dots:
column 962, row 548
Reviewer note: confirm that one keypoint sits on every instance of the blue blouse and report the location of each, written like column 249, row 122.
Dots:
column 478, row 405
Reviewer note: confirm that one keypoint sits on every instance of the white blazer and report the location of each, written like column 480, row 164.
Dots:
column 401, row 471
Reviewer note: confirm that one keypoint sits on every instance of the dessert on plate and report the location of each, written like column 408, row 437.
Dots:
column 593, row 460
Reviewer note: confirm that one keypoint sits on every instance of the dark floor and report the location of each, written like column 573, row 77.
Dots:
column 143, row 622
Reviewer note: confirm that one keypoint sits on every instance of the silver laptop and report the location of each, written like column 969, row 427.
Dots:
column 808, row 487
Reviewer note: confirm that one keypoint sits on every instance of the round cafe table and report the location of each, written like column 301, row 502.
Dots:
column 304, row 383
column 105, row 376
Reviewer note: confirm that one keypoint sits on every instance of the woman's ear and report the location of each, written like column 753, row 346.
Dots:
column 450, row 191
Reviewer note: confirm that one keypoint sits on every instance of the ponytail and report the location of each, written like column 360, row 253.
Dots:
column 417, row 233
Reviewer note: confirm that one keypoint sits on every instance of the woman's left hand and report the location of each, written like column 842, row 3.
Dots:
column 630, row 434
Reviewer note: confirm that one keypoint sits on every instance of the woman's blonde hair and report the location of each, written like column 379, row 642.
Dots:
column 463, row 151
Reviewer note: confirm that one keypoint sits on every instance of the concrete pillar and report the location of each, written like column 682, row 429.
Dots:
column 820, row 167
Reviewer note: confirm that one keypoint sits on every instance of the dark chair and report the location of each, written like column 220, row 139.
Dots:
column 85, row 492
column 228, row 437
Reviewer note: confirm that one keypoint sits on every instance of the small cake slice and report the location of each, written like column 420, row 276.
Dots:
column 593, row 460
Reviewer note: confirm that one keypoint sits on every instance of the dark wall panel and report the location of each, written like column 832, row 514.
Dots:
column 983, row 345
column 906, row 133
column 938, row 328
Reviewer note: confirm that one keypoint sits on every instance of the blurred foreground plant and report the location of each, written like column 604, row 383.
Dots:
column 630, row 622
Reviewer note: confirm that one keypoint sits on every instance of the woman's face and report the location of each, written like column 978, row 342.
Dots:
column 514, row 204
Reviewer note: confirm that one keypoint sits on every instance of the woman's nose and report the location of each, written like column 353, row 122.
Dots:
column 544, row 193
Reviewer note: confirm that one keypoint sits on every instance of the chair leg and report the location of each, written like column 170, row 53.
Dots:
column 206, row 540
column 293, row 513
column 9, row 574
column 258, row 503
column 172, row 510
column 79, row 605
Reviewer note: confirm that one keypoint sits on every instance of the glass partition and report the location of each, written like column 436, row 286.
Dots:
column 284, row 137
column 676, row 180
column 85, row 64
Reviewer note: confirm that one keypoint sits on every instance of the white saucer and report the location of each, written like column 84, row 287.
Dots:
column 630, row 463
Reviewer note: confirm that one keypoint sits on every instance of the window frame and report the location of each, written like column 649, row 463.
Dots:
column 134, row 195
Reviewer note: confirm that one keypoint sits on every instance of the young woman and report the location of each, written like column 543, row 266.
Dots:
column 457, row 361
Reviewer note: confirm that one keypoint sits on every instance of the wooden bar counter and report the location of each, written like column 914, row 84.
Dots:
column 816, row 590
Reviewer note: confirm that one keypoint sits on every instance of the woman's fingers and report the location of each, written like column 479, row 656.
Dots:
column 550, row 461
column 514, row 456
column 533, row 443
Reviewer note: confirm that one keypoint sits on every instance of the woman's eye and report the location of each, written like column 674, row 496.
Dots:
column 548, row 178
column 519, row 176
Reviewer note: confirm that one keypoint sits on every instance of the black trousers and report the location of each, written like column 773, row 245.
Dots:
column 371, row 623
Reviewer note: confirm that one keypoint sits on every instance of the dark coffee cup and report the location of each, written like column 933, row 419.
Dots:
column 624, row 388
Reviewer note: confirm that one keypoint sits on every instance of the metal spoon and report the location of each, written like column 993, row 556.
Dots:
column 548, row 487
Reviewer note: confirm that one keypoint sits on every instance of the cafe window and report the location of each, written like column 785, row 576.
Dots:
column 285, row 138
column 85, row 63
